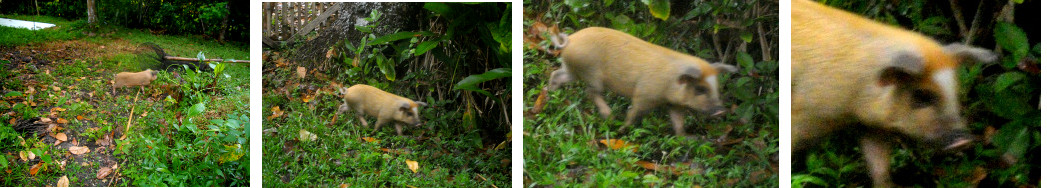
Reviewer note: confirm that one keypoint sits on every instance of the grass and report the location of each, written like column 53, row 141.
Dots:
column 569, row 145
column 172, row 140
column 448, row 153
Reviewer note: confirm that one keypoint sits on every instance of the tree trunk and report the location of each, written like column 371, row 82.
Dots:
column 400, row 16
column 92, row 17
column 225, row 22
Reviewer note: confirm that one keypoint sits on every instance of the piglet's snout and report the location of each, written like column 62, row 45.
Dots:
column 718, row 110
column 957, row 141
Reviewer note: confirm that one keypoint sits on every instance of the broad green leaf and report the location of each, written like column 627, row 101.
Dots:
column 1013, row 137
column 747, row 36
column 470, row 83
column 745, row 61
column 196, row 109
column 438, row 8
column 398, row 36
column 13, row 94
column 1005, row 80
column 659, row 8
column 1012, row 39
column 425, row 47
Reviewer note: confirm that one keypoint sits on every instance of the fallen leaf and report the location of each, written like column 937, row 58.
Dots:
column 21, row 155
column 58, row 109
column 63, row 182
column 616, row 144
column 369, row 139
column 276, row 112
column 61, row 137
column 308, row 98
column 77, row 150
column 35, row 169
column 304, row 135
column 301, row 72
column 343, row 185
column 31, row 155
column 648, row 165
column 62, row 121
column 45, row 120
column 413, row 165
column 105, row 171
column 79, row 118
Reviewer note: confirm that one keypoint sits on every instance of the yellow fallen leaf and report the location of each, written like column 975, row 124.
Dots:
column 63, row 182
column 308, row 98
column 304, row 135
column 369, row 139
column 616, row 144
column 58, row 109
column 413, row 165
column 77, row 150
column 235, row 152
column 276, row 112
column 343, row 185
column 22, row 155
column 31, row 155
column 61, row 137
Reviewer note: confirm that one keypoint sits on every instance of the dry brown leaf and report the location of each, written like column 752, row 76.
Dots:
column 35, row 169
column 31, row 155
column 63, row 182
column 62, row 121
column 308, row 98
column 45, row 120
column 648, row 165
column 61, row 137
column 79, row 118
column 77, row 150
column 58, row 109
column 413, row 165
column 105, row 171
column 22, row 155
column 301, row 72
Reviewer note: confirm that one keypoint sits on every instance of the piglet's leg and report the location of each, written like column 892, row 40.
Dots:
column 677, row 118
column 635, row 113
column 877, row 156
column 399, row 130
column 601, row 104
column 379, row 123
column 362, row 120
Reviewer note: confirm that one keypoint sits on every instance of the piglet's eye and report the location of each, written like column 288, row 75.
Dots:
column 701, row 90
column 923, row 98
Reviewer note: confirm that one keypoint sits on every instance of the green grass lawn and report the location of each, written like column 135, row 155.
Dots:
column 567, row 144
column 182, row 131
column 343, row 152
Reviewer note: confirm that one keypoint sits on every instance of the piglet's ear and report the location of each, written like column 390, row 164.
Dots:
column 964, row 52
column 405, row 106
column 690, row 74
column 422, row 104
column 902, row 68
column 725, row 67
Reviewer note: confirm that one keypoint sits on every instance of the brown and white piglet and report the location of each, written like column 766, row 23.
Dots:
column 385, row 106
column 852, row 73
column 128, row 79
column 650, row 75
